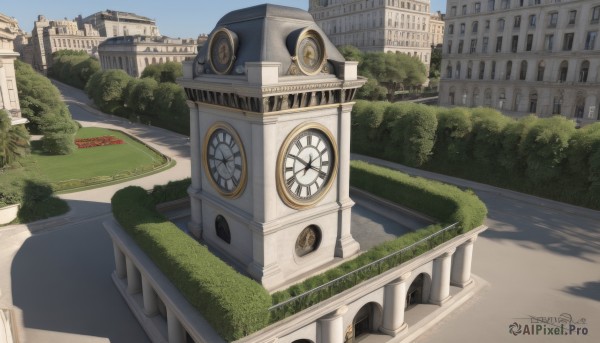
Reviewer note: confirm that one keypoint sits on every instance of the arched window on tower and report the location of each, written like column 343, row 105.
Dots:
column 562, row 71
column 523, row 72
column 583, row 71
column 508, row 69
column 540, row 70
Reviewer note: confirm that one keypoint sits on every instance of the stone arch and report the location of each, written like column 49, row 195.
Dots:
column 584, row 70
column 418, row 291
column 367, row 320
column 563, row 70
column 540, row 70
column 579, row 105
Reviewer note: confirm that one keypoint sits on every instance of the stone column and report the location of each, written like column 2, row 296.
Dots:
column 195, row 224
column 461, row 264
column 394, row 302
column 332, row 326
column 440, row 283
column 175, row 330
column 133, row 277
column 119, row 262
column 345, row 244
column 150, row 297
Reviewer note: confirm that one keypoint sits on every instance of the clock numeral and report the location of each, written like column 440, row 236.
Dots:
column 234, row 181
column 308, row 191
column 323, row 152
column 299, row 145
column 290, row 181
column 298, row 190
column 231, row 144
column 322, row 175
column 289, row 169
column 309, row 139
column 238, row 167
column 237, row 154
column 325, row 163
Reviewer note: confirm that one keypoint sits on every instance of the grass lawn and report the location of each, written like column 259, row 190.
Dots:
column 32, row 179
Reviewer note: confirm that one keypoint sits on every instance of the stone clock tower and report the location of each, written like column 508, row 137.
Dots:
column 270, row 100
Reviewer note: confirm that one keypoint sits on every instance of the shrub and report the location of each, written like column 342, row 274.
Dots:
column 14, row 140
column 413, row 134
column 453, row 130
column 58, row 143
column 140, row 96
column 163, row 72
column 73, row 67
column 487, row 135
column 233, row 304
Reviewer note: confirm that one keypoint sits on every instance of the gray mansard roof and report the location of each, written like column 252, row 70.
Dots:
column 262, row 34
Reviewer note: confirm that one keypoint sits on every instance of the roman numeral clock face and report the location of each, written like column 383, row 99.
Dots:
column 225, row 161
column 307, row 166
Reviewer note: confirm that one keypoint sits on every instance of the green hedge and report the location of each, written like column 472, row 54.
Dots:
column 233, row 304
column 446, row 203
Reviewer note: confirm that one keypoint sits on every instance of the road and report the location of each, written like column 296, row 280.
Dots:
column 540, row 258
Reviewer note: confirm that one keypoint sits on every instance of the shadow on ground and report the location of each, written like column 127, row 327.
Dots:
column 590, row 290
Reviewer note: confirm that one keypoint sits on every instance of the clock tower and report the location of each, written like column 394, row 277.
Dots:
column 270, row 100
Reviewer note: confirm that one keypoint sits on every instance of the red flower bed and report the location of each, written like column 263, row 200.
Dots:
column 83, row 143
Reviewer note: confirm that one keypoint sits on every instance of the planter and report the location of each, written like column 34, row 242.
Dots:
column 8, row 213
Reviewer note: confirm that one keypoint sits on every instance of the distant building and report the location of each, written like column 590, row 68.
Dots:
column 115, row 23
column 523, row 57
column 436, row 29
column 9, row 99
column 377, row 25
column 49, row 36
column 134, row 53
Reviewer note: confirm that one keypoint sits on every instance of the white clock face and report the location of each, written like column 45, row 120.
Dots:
column 307, row 166
column 225, row 161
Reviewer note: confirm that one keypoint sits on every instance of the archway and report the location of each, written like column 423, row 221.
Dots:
column 302, row 341
column 418, row 291
column 367, row 320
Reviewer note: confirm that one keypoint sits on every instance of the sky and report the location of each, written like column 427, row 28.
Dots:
column 174, row 18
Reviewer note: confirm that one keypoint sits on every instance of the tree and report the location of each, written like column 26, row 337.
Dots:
column 14, row 140
column 435, row 65
column 141, row 96
column 164, row 72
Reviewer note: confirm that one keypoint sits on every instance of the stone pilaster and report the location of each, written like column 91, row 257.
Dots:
column 394, row 302
column 461, row 264
column 440, row 283
column 332, row 326
column 195, row 224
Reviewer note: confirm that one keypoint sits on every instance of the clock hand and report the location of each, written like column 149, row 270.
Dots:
column 309, row 165
column 297, row 158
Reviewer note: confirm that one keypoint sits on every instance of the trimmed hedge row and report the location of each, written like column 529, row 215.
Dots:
column 234, row 305
column 446, row 203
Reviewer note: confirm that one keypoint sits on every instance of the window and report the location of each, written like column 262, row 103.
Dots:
column 532, row 20
column 499, row 44
column 464, row 9
column 500, row 25
column 222, row 229
column 533, row 102
column 451, row 29
column 493, row 72
column 484, row 46
column 540, row 71
column 473, row 47
column 475, row 27
column 453, row 11
column 458, row 67
column 491, row 5
column 469, row 70
column 595, row 15
column 449, row 46
column 481, row 70
column 508, row 69
column 514, row 43
column 477, row 7
column 462, row 28
column 583, row 72
column 562, row 72
column 556, row 107
column 523, row 72
column 549, row 42
column 487, row 24
column 568, row 41
column 590, row 40
column 572, row 16
column 553, row 19
column 529, row 43
column 517, row 22
column 461, row 43
column 449, row 71
column 505, row 4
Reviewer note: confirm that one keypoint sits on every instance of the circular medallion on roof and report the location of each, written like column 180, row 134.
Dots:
column 309, row 52
column 221, row 49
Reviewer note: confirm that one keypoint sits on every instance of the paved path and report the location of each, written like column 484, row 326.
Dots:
column 540, row 257
column 56, row 273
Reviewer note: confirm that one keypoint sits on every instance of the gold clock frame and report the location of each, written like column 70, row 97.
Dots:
column 285, row 196
column 232, row 39
column 237, row 192
column 308, row 33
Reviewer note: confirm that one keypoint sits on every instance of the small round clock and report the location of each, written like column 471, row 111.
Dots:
column 308, row 240
column 221, row 49
column 310, row 52
column 306, row 165
column 225, row 160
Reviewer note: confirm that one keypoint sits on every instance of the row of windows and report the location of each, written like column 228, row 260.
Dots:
column 522, row 72
column 528, row 45
column 578, row 109
column 505, row 4
column 516, row 23
column 77, row 43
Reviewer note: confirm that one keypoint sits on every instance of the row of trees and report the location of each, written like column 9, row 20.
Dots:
column 543, row 156
column 387, row 72
column 73, row 67
column 47, row 113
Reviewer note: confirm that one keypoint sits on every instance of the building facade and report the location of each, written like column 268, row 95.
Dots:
column 49, row 36
column 9, row 99
column 134, row 53
column 115, row 23
column 377, row 25
column 436, row 29
column 523, row 57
